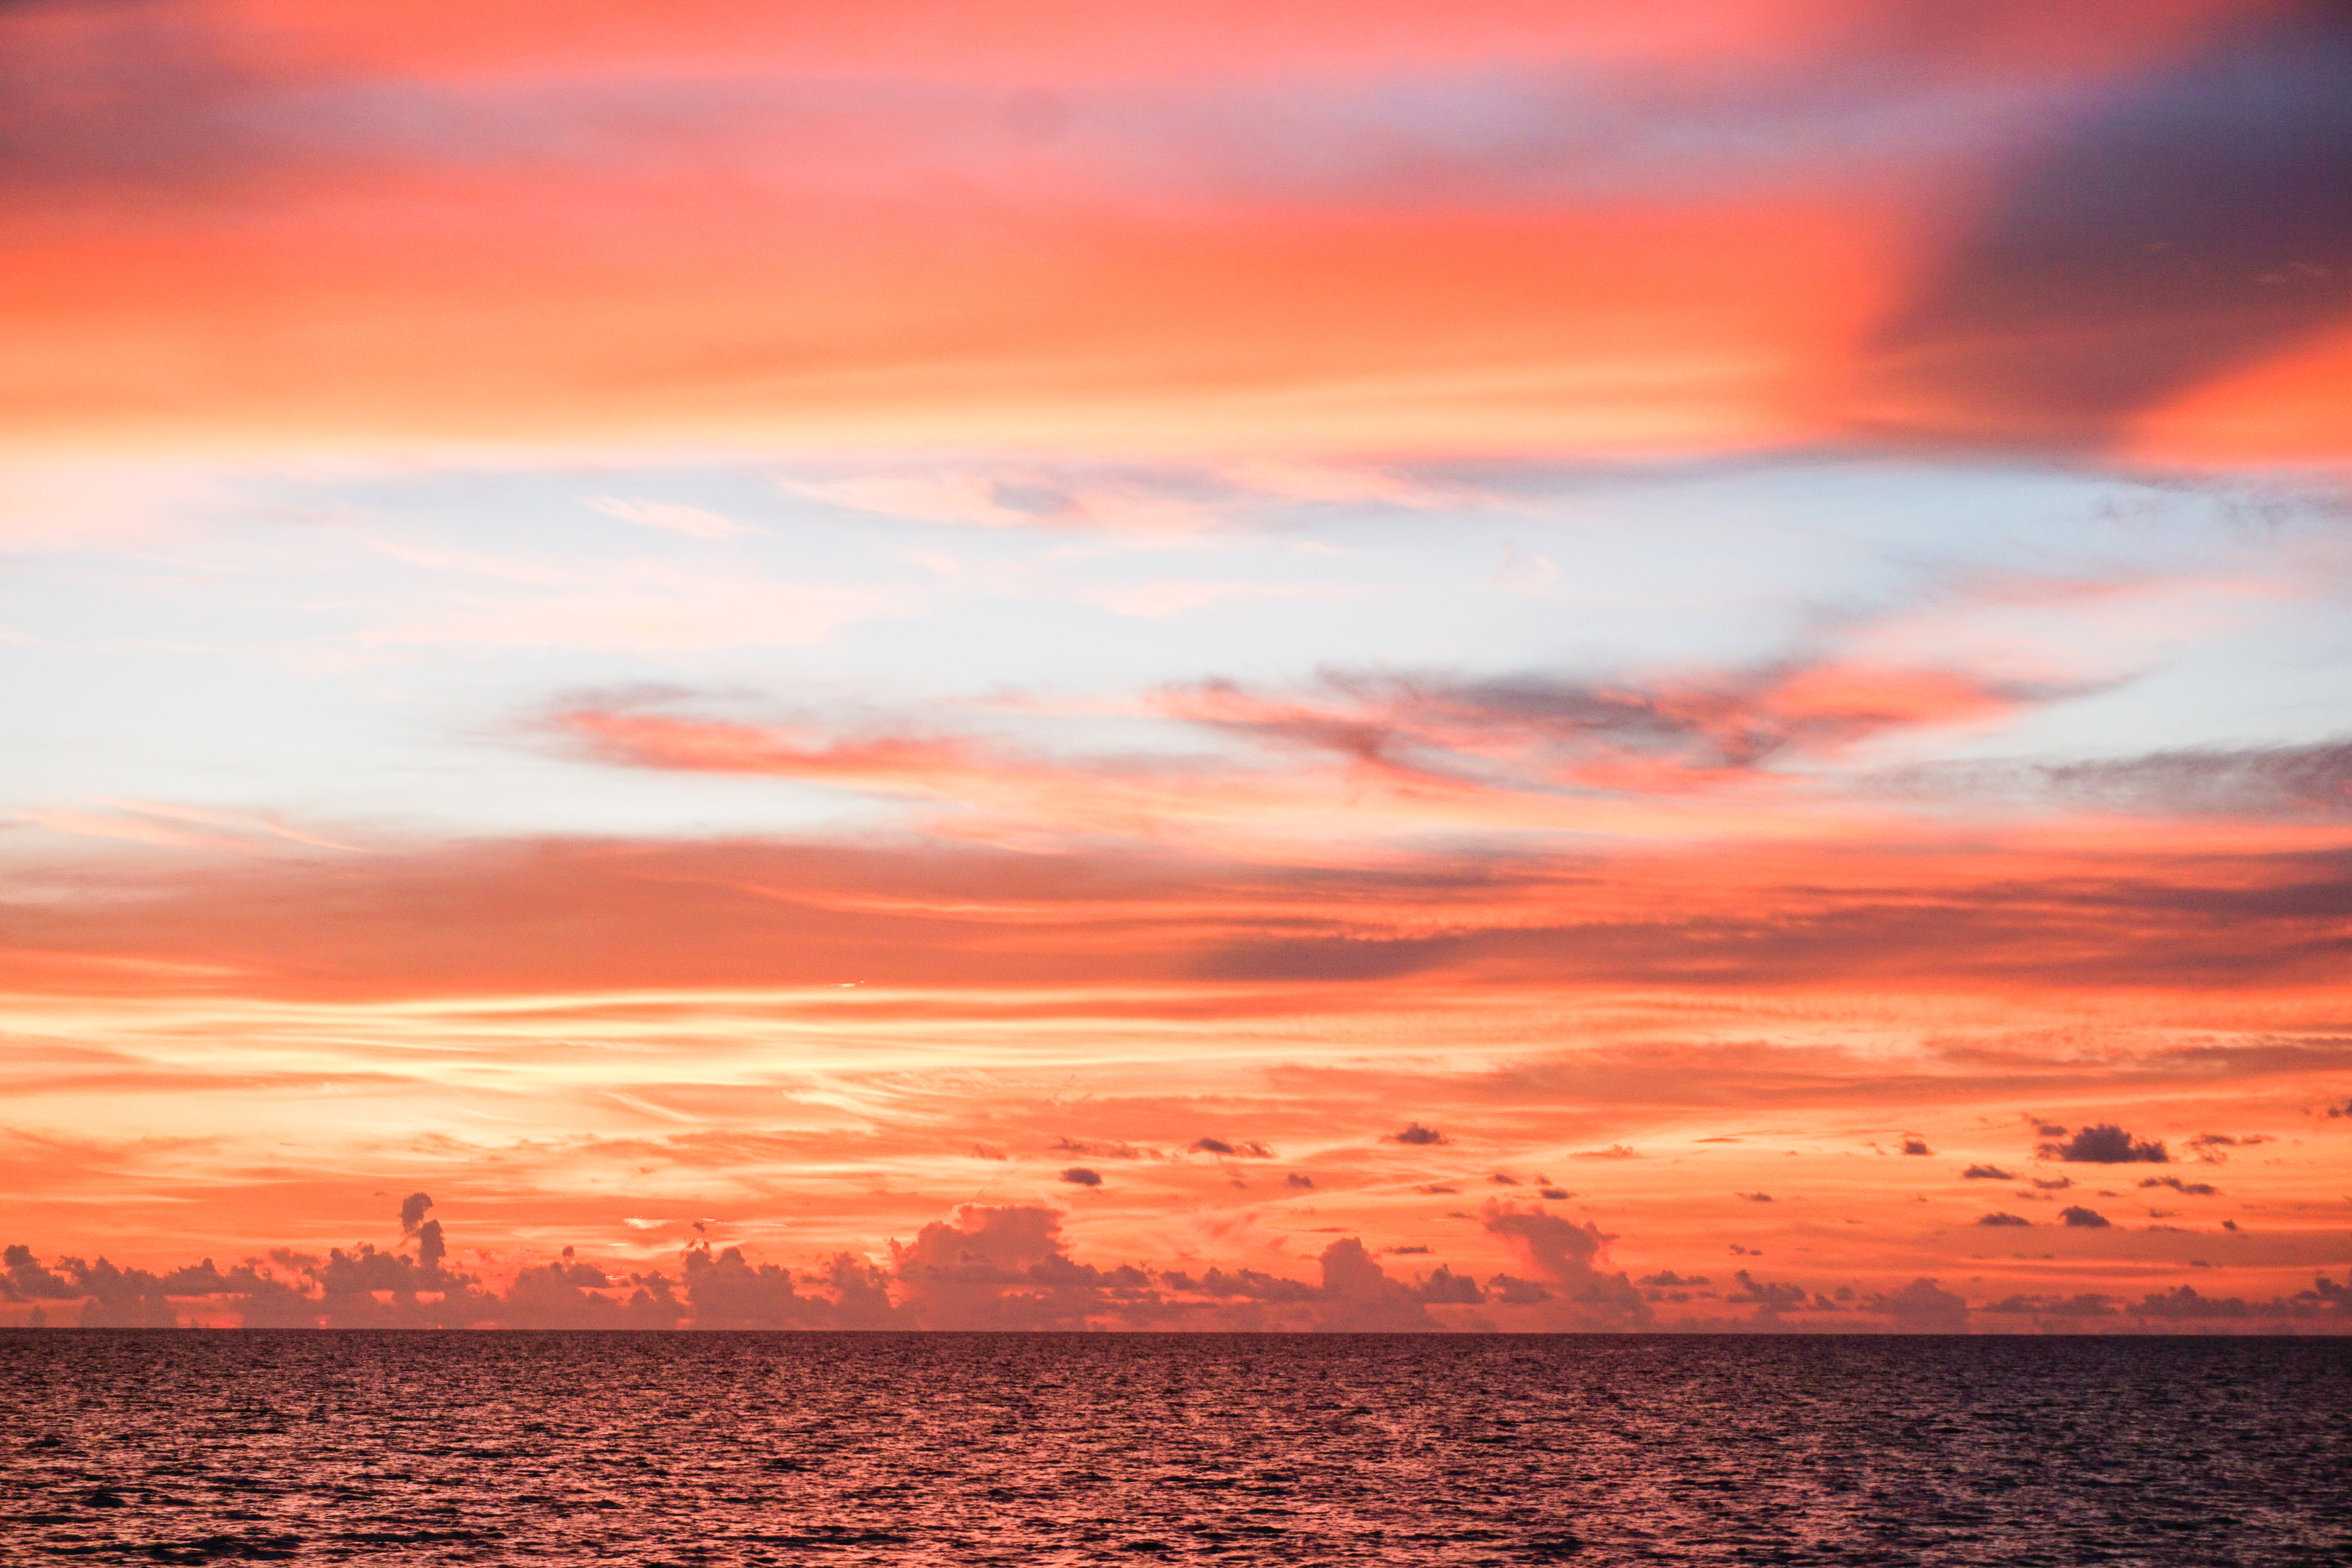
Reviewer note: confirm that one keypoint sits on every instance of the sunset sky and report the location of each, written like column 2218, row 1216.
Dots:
column 1512, row 666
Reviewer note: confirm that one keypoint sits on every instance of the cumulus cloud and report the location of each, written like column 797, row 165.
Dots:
column 1294, row 1180
column 1614, row 1151
column 2103, row 1144
column 2083, row 1218
column 1415, row 1133
column 1568, row 1260
column 990, row 1268
column 2002, row 1219
column 1987, row 1173
column 1080, row 1177
column 1916, row 1146
column 1922, row 1307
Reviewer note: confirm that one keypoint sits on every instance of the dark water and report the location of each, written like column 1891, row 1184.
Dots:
column 708, row 1448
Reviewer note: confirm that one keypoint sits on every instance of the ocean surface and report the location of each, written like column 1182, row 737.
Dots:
column 159, row 1446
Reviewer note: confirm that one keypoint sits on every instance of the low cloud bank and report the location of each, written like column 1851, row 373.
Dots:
column 988, row 1268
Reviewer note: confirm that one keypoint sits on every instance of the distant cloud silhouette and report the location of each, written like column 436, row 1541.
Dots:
column 1987, row 1173
column 1080, row 1177
column 1916, row 1146
column 2083, row 1218
column 1922, row 1307
column 2187, row 1189
column 1415, row 1133
column 2104, row 1144
column 2002, row 1219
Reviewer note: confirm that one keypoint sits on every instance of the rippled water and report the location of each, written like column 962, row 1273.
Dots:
column 703, row 1449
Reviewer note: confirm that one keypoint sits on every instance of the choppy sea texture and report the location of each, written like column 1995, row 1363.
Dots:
column 425, row 1448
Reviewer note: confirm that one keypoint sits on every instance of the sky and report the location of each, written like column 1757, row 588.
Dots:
column 1502, row 667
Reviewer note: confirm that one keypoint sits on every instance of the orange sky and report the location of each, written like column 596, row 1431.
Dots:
column 1158, row 668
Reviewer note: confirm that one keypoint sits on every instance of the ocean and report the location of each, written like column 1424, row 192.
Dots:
column 704, row 1448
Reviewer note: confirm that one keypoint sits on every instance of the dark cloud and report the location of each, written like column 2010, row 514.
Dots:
column 1916, row 1146
column 1443, row 1286
column 2083, row 1218
column 2183, row 1304
column 2187, row 1189
column 1294, row 1180
column 2190, row 223
column 1987, row 1173
column 1557, row 1194
column 2002, row 1219
column 2053, row 1183
column 29, row 1281
column 1770, row 1299
column 2263, row 782
column 1415, row 1133
column 412, row 1212
column 2104, row 1144
column 1080, row 1177
column 1500, row 1180
column 2208, row 1146
column 1668, row 1279
column 1755, row 1198
column 1246, row 1149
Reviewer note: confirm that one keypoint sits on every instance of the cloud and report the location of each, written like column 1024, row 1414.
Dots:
column 1294, row 1180
column 2273, row 781
column 2002, row 1219
column 1660, row 733
column 2083, row 1218
column 1359, row 1298
column 2103, row 1144
column 412, row 1212
column 2208, row 1146
column 1416, row 1135
column 1080, row 1177
column 1008, row 1267
column 1916, row 1146
column 1755, row 1198
column 1103, row 1149
column 2044, row 326
column 1987, row 1173
column 690, row 521
column 1247, row 1149
column 1567, row 1258
column 1614, row 1151
column 1922, row 1307
column 2187, row 1189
